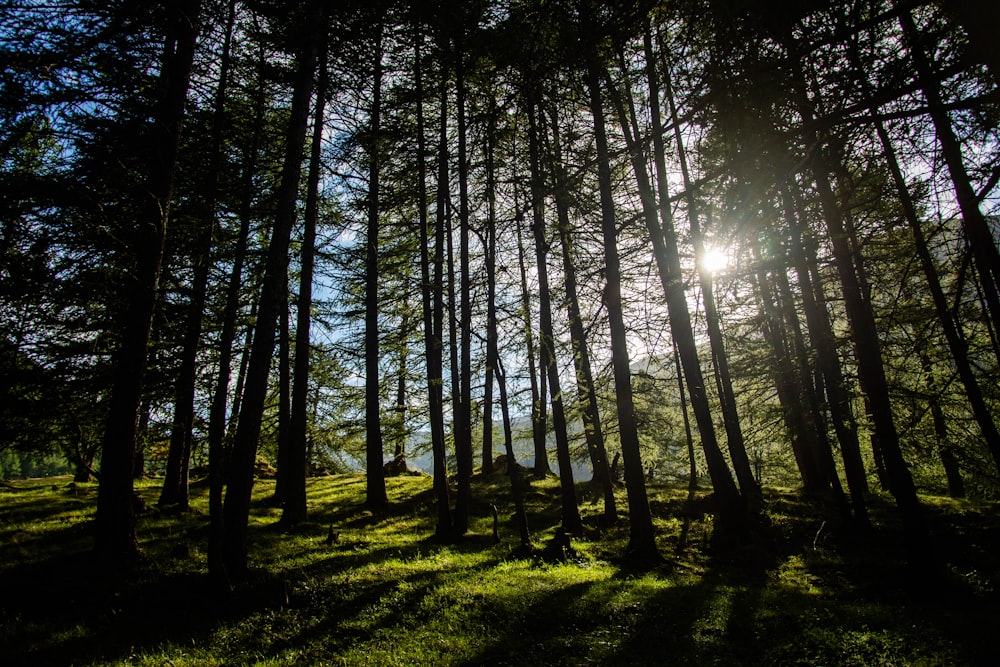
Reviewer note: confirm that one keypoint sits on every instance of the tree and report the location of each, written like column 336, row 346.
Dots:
column 375, row 494
column 570, row 511
column 115, row 522
column 294, row 500
column 642, row 540
column 236, row 510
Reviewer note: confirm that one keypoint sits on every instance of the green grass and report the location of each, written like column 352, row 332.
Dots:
column 799, row 592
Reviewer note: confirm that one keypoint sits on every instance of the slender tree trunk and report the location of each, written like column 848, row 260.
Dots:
column 217, row 454
column 463, row 419
column 175, row 482
column 518, row 484
column 593, row 432
column 546, row 341
column 284, row 396
column 734, row 433
column 688, row 438
column 294, row 500
column 822, row 336
column 956, row 487
column 115, row 536
column 492, row 353
column 642, row 535
column 453, row 367
column 375, row 494
column 236, row 510
column 399, row 428
column 663, row 238
column 812, row 412
column 538, row 404
column 787, row 387
column 433, row 291
column 956, row 343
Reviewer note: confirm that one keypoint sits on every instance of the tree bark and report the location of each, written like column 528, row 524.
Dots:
column 663, row 238
column 538, row 404
column 730, row 417
column 978, row 233
column 868, row 348
column 822, row 336
column 175, row 482
column 492, row 353
column 956, row 343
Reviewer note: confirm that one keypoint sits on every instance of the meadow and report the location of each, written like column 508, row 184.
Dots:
column 799, row 591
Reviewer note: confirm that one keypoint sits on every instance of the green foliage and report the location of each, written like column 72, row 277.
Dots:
column 800, row 592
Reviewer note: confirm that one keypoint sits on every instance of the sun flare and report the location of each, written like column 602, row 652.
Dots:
column 714, row 260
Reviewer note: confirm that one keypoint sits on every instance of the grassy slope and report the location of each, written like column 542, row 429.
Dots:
column 385, row 594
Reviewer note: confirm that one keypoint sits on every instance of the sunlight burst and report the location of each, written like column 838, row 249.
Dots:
column 714, row 260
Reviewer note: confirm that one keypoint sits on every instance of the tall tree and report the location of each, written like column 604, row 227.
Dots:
column 867, row 346
column 115, row 523
column 663, row 238
column 375, row 493
column 175, row 480
column 734, row 434
column 463, row 416
column 642, row 536
column 592, row 429
column 546, row 338
column 309, row 22
column 294, row 497
column 432, row 291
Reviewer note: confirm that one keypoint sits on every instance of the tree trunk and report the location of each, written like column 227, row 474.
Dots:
column 217, row 454
column 956, row 343
column 570, row 510
column 463, row 418
column 868, row 348
column 432, row 293
column 236, row 510
column 492, row 353
column 518, row 483
column 822, row 336
column 812, row 412
column 663, row 238
column 284, row 396
column 642, row 536
column 734, row 433
column 115, row 536
column 956, row 487
column 593, row 432
column 375, row 494
column 294, row 499
column 538, row 404
column 788, row 390
column 977, row 231
column 688, row 439
column 175, row 482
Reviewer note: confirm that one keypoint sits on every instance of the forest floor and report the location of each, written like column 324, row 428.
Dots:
column 798, row 592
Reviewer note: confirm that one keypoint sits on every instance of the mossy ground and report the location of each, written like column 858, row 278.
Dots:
column 798, row 591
